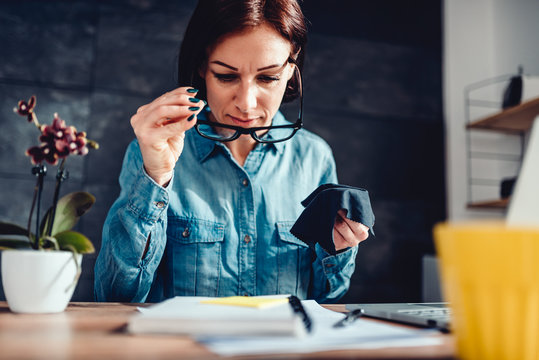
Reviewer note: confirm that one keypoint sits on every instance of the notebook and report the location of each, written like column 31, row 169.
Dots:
column 233, row 316
column 434, row 315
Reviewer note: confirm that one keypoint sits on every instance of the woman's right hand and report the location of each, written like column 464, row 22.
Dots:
column 160, row 129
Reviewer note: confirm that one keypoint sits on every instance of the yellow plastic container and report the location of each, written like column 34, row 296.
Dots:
column 490, row 276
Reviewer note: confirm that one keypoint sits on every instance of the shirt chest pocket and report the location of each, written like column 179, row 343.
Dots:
column 195, row 248
column 294, row 261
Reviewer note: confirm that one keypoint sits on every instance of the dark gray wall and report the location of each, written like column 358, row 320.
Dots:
column 372, row 90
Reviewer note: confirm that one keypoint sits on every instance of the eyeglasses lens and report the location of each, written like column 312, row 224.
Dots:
column 216, row 132
column 219, row 133
column 274, row 135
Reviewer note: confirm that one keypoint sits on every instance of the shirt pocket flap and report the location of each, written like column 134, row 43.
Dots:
column 283, row 227
column 189, row 231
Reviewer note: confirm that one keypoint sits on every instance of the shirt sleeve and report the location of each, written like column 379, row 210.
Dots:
column 134, row 235
column 331, row 273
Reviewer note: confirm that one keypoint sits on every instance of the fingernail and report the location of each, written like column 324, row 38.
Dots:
column 193, row 108
column 194, row 100
column 191, row 117
column 192, row 91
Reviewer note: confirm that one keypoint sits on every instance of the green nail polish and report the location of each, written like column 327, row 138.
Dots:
column 193, row 108
column 192, row 91
column 194, row 100
column 191, row 117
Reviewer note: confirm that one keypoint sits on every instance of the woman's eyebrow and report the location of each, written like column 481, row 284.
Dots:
column 271, row 67
column 217, row 62
column 223, row 64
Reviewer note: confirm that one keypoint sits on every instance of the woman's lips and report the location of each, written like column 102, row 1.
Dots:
column 242, row 121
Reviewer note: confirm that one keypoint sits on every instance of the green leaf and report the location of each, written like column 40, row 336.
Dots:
column 12, row 229
column 68, row 211
column 7, row 243
column 79, row 242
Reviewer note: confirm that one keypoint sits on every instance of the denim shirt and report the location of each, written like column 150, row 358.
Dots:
column 218, row 228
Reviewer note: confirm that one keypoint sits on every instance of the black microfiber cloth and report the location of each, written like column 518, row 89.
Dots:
column 315, row 224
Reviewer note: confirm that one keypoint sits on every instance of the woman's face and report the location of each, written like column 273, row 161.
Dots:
column 246, row 77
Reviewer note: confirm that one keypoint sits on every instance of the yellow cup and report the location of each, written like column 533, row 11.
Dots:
column 490, row 276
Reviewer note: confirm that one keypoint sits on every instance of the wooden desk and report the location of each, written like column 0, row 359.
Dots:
column 97, row 331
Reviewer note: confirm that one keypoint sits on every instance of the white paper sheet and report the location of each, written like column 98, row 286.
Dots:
column 361, row 334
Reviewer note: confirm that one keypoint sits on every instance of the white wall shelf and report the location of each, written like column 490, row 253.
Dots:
column 514, row 120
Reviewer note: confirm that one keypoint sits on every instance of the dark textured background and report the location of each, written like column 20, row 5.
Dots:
column 372, row 90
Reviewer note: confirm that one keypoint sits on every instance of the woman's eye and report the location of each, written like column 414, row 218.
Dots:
column 225, row 77
column 268, row 79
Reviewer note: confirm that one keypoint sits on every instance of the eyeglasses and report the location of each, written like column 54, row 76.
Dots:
column 263, row 134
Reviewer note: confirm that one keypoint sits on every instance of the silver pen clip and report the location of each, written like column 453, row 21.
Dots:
column 349, row 318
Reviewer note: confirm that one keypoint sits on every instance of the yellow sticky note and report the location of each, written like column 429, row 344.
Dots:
column 249, row 301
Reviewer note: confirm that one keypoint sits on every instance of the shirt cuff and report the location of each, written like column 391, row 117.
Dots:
column 148, row 200
column 333, row 264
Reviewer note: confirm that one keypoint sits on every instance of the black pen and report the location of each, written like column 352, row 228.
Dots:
column 298, row 309
column 349, row 318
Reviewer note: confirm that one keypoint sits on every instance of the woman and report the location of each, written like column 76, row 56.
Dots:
column 207, row 211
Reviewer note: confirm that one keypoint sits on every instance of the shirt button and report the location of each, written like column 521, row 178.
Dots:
column 245, row 182
column 186, row 233
column 159, row 204
column 247, row 239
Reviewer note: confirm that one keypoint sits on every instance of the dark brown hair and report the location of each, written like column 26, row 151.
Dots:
column 213, row 19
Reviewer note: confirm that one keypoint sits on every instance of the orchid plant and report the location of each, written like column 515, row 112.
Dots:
column 53, row 232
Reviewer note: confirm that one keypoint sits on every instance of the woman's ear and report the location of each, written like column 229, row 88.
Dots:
column 292, row 64
column 291, row 69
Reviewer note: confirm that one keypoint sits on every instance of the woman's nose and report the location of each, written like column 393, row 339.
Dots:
column 245, row 98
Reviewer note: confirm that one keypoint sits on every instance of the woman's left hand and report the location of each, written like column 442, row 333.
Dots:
column 348, row 233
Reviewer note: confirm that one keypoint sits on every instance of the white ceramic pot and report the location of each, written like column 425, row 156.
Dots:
column 39, row 281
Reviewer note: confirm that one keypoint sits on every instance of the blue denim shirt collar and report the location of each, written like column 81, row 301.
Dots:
column 206, row 147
